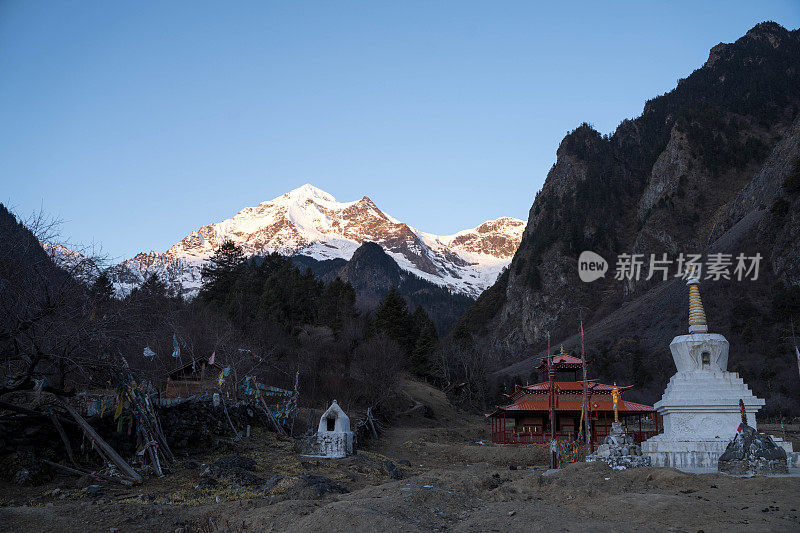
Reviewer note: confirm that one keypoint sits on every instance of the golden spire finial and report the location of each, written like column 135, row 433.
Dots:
column 562, row 349
column 697, row 315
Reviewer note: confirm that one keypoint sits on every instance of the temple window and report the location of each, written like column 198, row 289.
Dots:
column 706, row 359
column 331, row 422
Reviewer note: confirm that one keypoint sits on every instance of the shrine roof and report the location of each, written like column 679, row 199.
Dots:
column 561, row 361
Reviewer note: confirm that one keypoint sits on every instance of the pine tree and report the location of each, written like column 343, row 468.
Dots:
column 151, row 288
column 290, row 298
column 219, row 274
column 427, row 339
column 336, row 304
column 392, row 318
column 102, row 288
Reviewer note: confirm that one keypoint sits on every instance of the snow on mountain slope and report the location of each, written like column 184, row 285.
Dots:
column 311, row 222
column 74, row 262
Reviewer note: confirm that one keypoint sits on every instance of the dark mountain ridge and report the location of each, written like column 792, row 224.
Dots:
column 372, row 273
column 703, row 169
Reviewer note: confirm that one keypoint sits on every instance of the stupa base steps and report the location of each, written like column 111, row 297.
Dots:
column 699, row 454
column 684, row 454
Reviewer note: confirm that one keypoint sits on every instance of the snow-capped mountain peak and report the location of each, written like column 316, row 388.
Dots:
column 310, row 221
column 306, row 193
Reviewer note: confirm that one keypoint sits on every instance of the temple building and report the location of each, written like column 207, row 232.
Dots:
column 194, row 379
column 526, row 420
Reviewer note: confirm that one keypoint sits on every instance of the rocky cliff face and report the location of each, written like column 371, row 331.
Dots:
column 701, row 170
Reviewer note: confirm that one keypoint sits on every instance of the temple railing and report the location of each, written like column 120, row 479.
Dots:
column 509, row 436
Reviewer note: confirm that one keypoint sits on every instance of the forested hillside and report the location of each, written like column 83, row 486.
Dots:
column 63, row 331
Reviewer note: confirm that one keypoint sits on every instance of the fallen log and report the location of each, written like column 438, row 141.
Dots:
column 70, row 469
column 83, row 473
column 104, row 447
column 30, row 412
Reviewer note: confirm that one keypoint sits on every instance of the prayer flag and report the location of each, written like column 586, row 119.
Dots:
column 175, row 346
column 211, row 359
column 148, row 353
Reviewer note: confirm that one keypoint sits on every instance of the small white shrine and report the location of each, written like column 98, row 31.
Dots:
column 334, row 438
column 700, row 407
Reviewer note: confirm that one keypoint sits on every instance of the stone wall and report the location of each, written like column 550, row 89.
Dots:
column 24, row 441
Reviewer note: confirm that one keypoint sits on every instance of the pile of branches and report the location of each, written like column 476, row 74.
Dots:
column 98, row 461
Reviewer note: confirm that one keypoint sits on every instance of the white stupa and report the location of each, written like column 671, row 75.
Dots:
column 700, row 407
column 334, row 437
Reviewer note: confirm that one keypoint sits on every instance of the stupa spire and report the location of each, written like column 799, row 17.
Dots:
column 697, row 315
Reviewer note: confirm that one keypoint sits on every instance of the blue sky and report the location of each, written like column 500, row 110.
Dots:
column 137, row 122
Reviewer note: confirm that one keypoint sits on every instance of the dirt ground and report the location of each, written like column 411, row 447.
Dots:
column 450, row 481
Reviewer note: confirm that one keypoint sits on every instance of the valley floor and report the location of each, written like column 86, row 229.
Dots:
column 450, row 482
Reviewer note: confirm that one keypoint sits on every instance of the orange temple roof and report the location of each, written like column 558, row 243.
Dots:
column 575, row 405
column 565, row 386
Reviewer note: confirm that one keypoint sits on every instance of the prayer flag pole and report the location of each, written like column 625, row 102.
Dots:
column 552, row 410
column 796, row 351
column 585, row 391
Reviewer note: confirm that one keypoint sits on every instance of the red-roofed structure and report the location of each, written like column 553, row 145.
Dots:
column 526, row 420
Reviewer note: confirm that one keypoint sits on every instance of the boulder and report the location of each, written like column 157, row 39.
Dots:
column 392, row 470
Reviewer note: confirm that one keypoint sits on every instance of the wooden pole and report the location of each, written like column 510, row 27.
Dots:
column 225, row 409
column 113, row 456
column 272, row 418
column 153, row 453
column 640, row 427
column 585, row 390
column 64, row 439
column 550, row 376
column 371, row 423
column 148, row 418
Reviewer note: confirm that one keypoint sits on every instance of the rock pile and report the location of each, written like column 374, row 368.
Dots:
column 619, row 451
column 234, row 469
column 752, row 453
